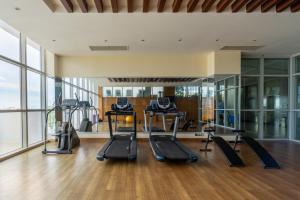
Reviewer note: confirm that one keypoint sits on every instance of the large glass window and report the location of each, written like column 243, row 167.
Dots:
column 297, row 64
column 250, row 66
column 127, row 92
column 33, row 90
column 250, row 92
column 67, row 91
column 157, row 91
column 107, row 92
column 250, row 122
column 9, row 86
column 137, row 91
column 10, row 132
column 297, row 125
column 117, row 91
column 33, row 54
column 230, row 99
column 275, row 93
column 275, row 124
column 9, row 43
column 34, row 127
column 276, row 66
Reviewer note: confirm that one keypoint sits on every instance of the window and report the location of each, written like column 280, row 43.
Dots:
column 230, row 99
column 297, row 125
column 127, row 92
column 297, row 92
column 250, row 122
column 229, row 83
column 275, row 124
column 220, row 85
column 50, row 92
column 250, row 66
column 250, row 91
column 297, row 63
column 33, row 90
column 67, row 91
column 157, row 91
column 192, row 91
column 10, row 132
column 9, row 86
column 9, row 42
column 34, row 127
column 180, row 91
column 117, row 91
column 276, row 66
column 33, row 54
column 107, row 91
column 137, row 91
column 275, row 93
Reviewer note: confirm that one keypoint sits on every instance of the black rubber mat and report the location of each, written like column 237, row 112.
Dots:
column 261, row 152
column 232, row 156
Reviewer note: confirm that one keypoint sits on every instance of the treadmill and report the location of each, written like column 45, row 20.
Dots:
column 166, row 147
column 119, row 146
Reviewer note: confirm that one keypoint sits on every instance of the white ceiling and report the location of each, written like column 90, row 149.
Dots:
column 278, row 32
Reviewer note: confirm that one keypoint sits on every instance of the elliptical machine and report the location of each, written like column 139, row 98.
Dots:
column 86, row 125
column 66, row 135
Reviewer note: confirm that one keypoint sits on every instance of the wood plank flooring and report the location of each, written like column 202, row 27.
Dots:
column 80, row 176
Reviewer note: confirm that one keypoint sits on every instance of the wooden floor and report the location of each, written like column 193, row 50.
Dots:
column 80, row 176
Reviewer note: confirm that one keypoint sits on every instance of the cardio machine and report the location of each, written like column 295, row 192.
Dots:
column 122, row 104
column 120, row 146
column 166, row 147
column 67, row 136
column 86, row 125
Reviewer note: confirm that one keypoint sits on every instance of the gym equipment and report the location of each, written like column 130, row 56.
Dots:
column 232, row 157
column 119, row 146
column 67, row 136
column 166, row 147
column 86, row 125
column 122, row 104
column 154, row 106
column 261, row 152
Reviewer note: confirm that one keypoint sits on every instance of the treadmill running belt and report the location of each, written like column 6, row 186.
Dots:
column 171, row 150
column 118, row 149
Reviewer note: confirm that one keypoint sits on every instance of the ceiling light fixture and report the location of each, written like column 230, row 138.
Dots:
column 217, row 40
column 17, row 8
column 142, row 40
column 53, row 40
column 105, row 40
column 180, row 39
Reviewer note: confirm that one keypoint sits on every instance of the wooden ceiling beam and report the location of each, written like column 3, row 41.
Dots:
column 252, row 5
column 295, row 7
column 68, row 5
column 176, row 5
column 83, row 5
column 130, row 6
column 99, row 5
column 161, row 5
column 283, row 4
column 222, row 5
column 238, row 5
column 268, row 5
column 146, row 6
column 114, row 5
column 207, row 5
column 192, row 5
column 50, row 5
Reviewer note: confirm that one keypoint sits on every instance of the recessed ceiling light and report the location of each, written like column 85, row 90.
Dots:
column 254, row 40
column 105, row 40
column 180, row 39
column 53, row 40
column 217, row 40
column 17, row 8
column 142, row 40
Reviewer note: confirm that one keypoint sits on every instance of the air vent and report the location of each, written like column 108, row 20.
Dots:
column 152, row 80
column 109, row 48
column 242, row 48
